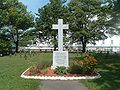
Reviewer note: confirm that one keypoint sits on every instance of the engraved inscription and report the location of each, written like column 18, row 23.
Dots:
column 60, row 58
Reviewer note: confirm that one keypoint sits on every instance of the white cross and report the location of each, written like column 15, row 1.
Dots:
column 60, row 26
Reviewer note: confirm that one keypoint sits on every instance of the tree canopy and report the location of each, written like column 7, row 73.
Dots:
column 114, row 22
column 87, row 21
column 14, row 15
column 48, row 15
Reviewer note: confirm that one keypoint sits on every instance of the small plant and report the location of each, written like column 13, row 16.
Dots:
column 61, row 70
column 43, row 65
column 34, row 70
column 40, row 68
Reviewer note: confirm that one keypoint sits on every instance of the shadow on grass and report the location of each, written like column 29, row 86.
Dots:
column 109, row 68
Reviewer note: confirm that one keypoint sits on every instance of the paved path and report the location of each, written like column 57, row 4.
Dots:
column 62, row 85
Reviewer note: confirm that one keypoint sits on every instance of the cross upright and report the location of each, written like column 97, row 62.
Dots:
column 60, row 26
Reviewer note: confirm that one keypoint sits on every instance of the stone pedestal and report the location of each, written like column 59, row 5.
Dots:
column 60, row 58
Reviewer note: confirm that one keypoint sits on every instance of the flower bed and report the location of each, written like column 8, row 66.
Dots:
column 79, row 69
column 50, row 75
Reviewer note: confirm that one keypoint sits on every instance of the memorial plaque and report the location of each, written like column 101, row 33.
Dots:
column 60, row 59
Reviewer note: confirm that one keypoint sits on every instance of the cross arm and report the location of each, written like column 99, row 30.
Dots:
column 66, row 26
column 54, row 26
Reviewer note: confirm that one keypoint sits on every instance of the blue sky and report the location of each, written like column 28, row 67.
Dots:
column 33, row 5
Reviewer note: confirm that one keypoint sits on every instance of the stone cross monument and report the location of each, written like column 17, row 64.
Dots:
column 60, row 57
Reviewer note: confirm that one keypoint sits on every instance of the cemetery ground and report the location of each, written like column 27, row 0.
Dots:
column 11, row 68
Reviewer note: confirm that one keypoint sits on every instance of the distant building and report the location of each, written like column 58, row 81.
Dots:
column 111, row 44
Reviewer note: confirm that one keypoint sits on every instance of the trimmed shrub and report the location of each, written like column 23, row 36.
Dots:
column 84, row 66
column 89, row 64
column 76, row 67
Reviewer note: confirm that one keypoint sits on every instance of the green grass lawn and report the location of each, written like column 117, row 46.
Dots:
column 11, row 68
column 109, row 68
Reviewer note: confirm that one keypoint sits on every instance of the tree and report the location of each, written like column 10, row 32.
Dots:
column 5, row 40
column 87, row 21
column 114, row 22
column 5, row 46
column 16, row 17
column 115, row 4
column 48, row 15
column 3, row 11
column 28, row 36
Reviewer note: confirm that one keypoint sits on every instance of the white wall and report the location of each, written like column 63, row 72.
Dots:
column 110, row 41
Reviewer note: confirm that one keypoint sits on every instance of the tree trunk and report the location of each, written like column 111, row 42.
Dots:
column 84, row 41
column 17, row 44
column 83, row 47
column 55, row 47
column 55, row 44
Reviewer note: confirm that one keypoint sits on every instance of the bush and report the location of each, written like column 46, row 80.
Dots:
column 85, row 66
column 61, row 70
column 43, row 65
column 89, row 64
column 76, row 67
column 40, row 68
column 34, row 70
column 5, row 45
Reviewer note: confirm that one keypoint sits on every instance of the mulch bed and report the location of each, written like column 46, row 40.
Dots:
column 50, row 72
